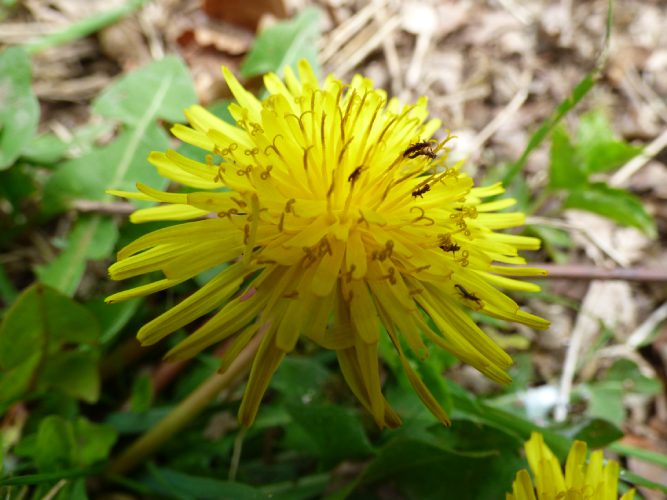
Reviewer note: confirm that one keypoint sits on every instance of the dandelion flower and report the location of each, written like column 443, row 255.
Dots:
column 583, row 481
column 337, row 219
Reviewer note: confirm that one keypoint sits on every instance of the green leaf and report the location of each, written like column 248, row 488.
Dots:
column 641, row 481
column 615, row 204
column 93, row 237
column 300, row 378
column 141, row 398
column 45, row 149
column 134, row 423
column 581, row 89
column 174, row 484
column 159, row 90
column 482, row 412
column 425, row 470
column 627, row 373
column 61, row 444
column 43, row 319
column 566, row 166
column 16, row 381
column 49, row 477
column 304, row 488
column 335, row 432
column 284, row 44
column 112, row 319
column 55, row 445
column 596, row 432
column 94, row 441
column 605, row 401
column 19, row 112
column 119, row 165
column 8, row 292
column 640, row 453
column 598, row 145
column 74, row 373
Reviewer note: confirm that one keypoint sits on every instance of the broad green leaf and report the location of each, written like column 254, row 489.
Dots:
column 112, row 319
column 19, row 109
column 480, row 411
column 422, row 469
column 597, row 432
column 60, row 444
column 335, row 432
column 615, row 204
column 16, row 381
column 609, row 156
column 45, row 149
column 159, row 90
column 304, row 488
column 605, row 401
column 8, row 292
column 594, row 128
column 628, row 374
column 598, row 146
column 43, row 318
column 55, row 446
column 74, row 373
column 93, row 237
column 94, row 441
column 566, row 166
column 16, row 185
column 119, row 165
column 284, row 44
column 300, row 378
column 173, row 484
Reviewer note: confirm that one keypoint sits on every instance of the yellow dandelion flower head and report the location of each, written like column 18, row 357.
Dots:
column 338, row 219
column 592, row 480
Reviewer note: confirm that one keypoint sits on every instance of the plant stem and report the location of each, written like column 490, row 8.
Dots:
column 84, row 27
column 187, row 409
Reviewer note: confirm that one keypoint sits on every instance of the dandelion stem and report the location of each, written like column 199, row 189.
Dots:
column 188, row 409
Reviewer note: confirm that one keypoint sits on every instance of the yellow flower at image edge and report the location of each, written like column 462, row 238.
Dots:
column 337, row 220
column 582, row 481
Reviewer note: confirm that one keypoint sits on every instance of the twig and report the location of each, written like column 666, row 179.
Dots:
column 51, row 494
column 585, row 325
column 345, row 62
column 390, row 52
column 589, row 272
column 644, row 331
column 345, row 31
column 84, row 27
column 102, row 207
column 509, row 110
column 592, row 236
column 621, row 177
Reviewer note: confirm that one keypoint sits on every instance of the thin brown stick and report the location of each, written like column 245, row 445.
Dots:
column 102, row 207
column 588, row 272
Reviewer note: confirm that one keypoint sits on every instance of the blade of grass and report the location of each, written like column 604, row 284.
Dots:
column 579, row 92
column 638, row 480
column 84, row 27
column 639, row 453
column 48, row 477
